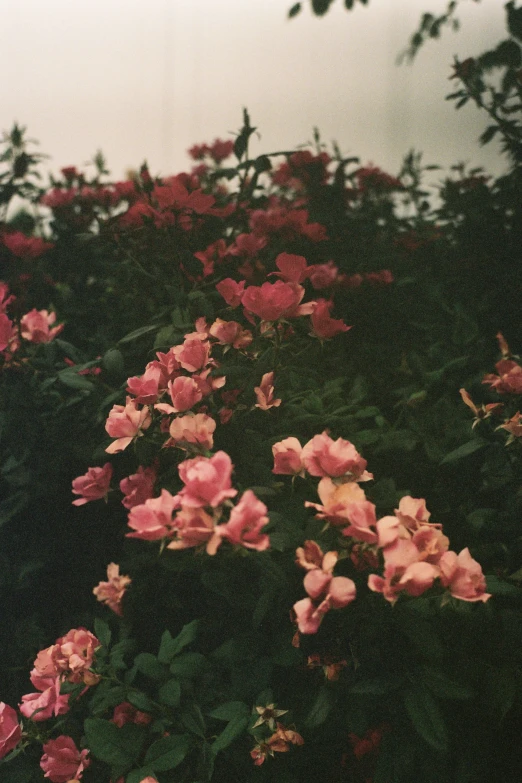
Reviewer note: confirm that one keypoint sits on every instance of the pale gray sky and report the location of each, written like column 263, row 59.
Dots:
column 149, row 79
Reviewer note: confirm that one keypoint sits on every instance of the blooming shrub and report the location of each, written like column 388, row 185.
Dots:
column 200, row 371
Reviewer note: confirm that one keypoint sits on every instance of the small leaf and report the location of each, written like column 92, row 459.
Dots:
column 170, row 693
column 113, row 362
column 238, row 716
column 321, row 708
column 193, row 720
column 102, row 631
column 149, row 665
column 134, row 335
column 119, row 747
column 426, row 716
column 168, row 752
column 295, row 9
column 71, row 379
column 170, row 647
column 464, row 451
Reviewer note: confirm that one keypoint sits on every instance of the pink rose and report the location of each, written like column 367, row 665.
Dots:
column 231, row 291
column 197, row 429
column 148, row 387
column 323, row 326
column 192, row 527
column 247, row 519
column 7, row 331
column 207, row 480
column 414, row 580
column 265, row 393
column 62, row 761
column 35, row 326
column 153, row 519
column 337, row 499
column 272, row 301
column 93, row 485
column 25, row 247
column 509, row 378
column 138, row 487
column 322, row 275
column 10, row 731
column 231, row 333
column 322, row 456
column 112, row 591
column 73, row 655
column 292, row 268
column 287, row 457
column 194, row 353
column 126, row 423
column 463, row 576
column 48, row 702
column 184, row 392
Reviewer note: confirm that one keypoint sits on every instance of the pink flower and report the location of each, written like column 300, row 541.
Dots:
column 337, row 500
column 287, row 457
column 231, row 333
column 207, row 480
column 7, row 331
column 292, row 268
column 326, row 592
column 25, row 247
column 323, row 326
column 10, row 731
column 126, row 713
column 48, row 702
column 112, row 591
column 414, row 580
column 70, row 657
column 194, row 353
column 509, row 378
column 35, row 326
column 93, row 485
column 231, row 291
column 246, row 522
column 463, row 576
column 192, row 527
column 322, row 456
column 272, row 301
column 153, row 519
column 265, row 393
column 147, row 387
column 138, row 487
column 197, row 429
column 322, row 275
column 184, row 392
column 5, row 298
column 362, row 522
column 126, row 423
column 247, row 246
column 62, row 761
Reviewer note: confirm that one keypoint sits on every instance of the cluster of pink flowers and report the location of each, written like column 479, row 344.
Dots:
column 112, row 591
column 325, row 591
column 219, row 150
column 24, row 247
column 193, row 516
column 283, row 299
column 36, row 326
column 69, row 659
column 414, row 550
column 508, row 382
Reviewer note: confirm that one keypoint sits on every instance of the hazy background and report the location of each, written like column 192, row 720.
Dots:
column 147, row 79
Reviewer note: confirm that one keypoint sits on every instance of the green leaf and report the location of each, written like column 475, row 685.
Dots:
column 140, row 700
column 193, row 720
column 102, row 631
column 72, row 380
column 321, row 707
column 170, row 647
column 497, row 586
column 443, row 686
column 170, row 693
column 464, row 451
column 188, row 664
column 238, row 715
column 119, row 747
column 426, row 716
column 134, row 335
column 320, row 7
column 13, row 505
column 168, row 752
column 149, row 665
column 295, row 9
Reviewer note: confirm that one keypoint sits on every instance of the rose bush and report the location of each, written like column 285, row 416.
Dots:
column 198, row 374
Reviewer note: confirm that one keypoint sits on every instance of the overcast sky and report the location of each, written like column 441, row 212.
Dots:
column 147, row 79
